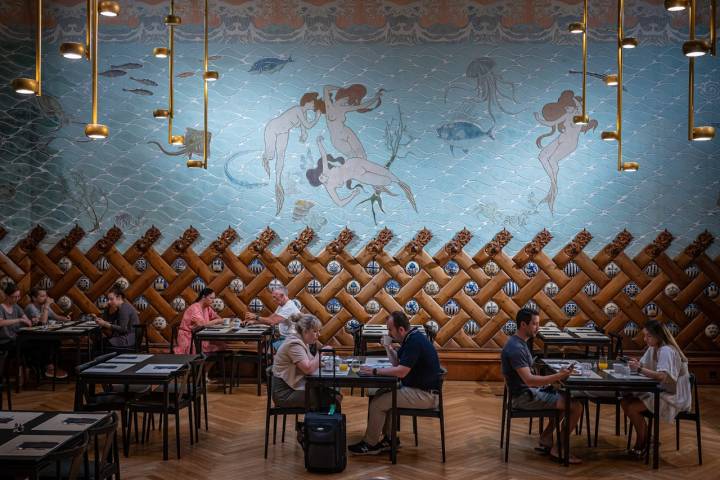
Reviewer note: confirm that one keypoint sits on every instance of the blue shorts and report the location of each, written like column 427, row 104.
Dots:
column 536, row 399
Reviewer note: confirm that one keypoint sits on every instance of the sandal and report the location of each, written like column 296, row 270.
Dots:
column 572, row 461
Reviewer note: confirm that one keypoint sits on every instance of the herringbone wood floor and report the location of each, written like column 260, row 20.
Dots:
column 233, row 448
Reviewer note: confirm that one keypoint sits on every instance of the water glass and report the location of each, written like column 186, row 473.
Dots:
column 603, row 362
column 237, row 324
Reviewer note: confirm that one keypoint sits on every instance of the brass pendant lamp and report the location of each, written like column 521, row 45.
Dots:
column 616, row 80
column 581, row 28
column 692, row 49
column 28, row 86
column 75, row 51
column 208, row 76
column 172, row 21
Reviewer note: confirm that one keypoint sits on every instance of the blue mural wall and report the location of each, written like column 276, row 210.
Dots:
column 444, row 128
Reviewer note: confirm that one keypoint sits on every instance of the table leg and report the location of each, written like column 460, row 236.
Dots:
column 259, row 367
column 19, row 363
column 166, row 406
column 656, row 431
column 393, row 434
column 566, row 430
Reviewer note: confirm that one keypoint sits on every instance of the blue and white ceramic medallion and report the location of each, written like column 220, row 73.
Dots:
column 392, row 287
column 256, row 266
column 412, row 268
column 122, row 282
column 236, row 285
column 591, row 289
column 711, row 291
column 372, row 307
column 198, row 284
column 256, row 305
column 491, row 308
column 531, row 269
column 295, row 267
column 672, row 328
column 333, row 267
column 491, row 268
column 353, row 287
column 551, row 289
column 611, row 269
column 631, row 329
column 631, row 289
column 651, row 310
column 712, row 331
column 691, row 311
column 651, row 269
column 333, row 306
column 571, row 269
column 275, row 284
column 102, row 264
column 159, row 323
column 217, row 265
column 692, row 271
column 83, row 283
column 352, row 325
column 510, row 288
column 314, row 286
column 471, row 328
column 432, row 327
column 101, row 302
column 509, row 328
column 140, row 303
column 160, row 284
column 412, row 307
column 179, row 265
column 451, row 308
column 570, row 308
column 178, row 304
column 64, row 303
column 431, row 288
column 372, row 268
column 141, row 264
column 471, row 288
column 611, row 309
column 451, row 268
column 671, row 290
column 65, row 264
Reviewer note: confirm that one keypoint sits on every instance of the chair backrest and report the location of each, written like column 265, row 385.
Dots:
column 82, row 392
column 3, row 357
column 140, row 337
column 173, row 337
column 696, row 397
column 103, row 436
column 73, row 454
column 197, row 376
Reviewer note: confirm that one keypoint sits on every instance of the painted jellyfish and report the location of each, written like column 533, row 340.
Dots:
column 490, row 87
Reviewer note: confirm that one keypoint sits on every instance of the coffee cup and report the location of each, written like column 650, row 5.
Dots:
column 386, row 340
column 226, row 322
column 237, row 323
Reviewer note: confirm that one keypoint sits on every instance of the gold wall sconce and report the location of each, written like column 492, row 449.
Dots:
column 89, row 50
column 29, row 86
column 208, row 76
column 694, row 48
column 581, row 28
column 616, row 80
column 172, row 21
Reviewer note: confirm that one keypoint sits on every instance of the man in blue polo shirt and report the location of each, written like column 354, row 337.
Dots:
column 417, row 366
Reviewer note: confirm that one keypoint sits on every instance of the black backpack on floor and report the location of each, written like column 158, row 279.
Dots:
column 324, row 437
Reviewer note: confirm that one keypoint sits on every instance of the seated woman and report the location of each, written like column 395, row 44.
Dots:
column 663, row 361
column 199, row 314
column 118, row 321
column 12, row 317
column 293, row 361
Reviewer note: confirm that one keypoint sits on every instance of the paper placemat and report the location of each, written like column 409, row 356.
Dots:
column 375, row 325
column 592, row 335
column 328, row 373
column 377, row 362
column 130, row 358
column 160, row 368
column 216, row 331
column 557, row 334
column 16, row 417
column 108, row 367
column 634, row 376
column 64, row 421
column 78, row 329
column 10, row 447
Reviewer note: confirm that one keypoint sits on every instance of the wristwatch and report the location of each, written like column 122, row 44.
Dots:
column 257, row 317
column 375, row 372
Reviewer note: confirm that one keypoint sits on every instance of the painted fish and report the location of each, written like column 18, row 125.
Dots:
column 138, row 91
column 145, row 81
column 127, row 66
column 461, row 134
column 596, row 75
column 112, row 73
column 269, row 65
column 215, row 57
column 185, row 74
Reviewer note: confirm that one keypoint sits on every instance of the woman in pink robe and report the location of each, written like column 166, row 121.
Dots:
column 199, row 314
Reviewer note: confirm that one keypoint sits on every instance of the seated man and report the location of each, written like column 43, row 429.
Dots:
column 39, row 311
column 417, row 366
column 118, row 321
column 281, row 316
column 517, row 362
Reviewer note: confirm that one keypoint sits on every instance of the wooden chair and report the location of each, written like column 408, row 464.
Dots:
column 106, row 461
column 692, row 415
column 272, row 410
column 68, row 461
column 5, row 381
column 437, row 412
column 180, row 399
column 509, row 413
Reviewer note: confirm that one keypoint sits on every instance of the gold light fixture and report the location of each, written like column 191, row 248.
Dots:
column 692, row 49
column 171, row 21
column 74, row 51
column 675, row 5
column 28, row 86
column 616, row 80
column 581, row 28
column 208, row 76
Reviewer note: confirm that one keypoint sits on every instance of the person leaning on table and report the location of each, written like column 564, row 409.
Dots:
column 663, row 361
column 417, row 366
column 281, row 316
column 517, row 362
column 293, row 361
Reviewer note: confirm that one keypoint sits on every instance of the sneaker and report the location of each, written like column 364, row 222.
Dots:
column 59, row 373
column 385, row 444
column 362, row 448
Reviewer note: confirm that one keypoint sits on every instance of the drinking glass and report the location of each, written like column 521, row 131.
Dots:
column 603, row 362
column 343, row 365
column 355, row 365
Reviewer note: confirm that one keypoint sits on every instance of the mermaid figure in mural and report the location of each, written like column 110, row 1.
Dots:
column 346, row 100
column 559, row 116
column 334, row 173
column 277, row 133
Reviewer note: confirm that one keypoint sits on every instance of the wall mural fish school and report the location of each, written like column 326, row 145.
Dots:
column 334, row 114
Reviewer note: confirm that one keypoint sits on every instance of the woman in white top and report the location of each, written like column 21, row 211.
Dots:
column 294, row 360
column 663, row 361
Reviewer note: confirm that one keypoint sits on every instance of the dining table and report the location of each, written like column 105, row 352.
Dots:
column 140, row 369
column 29, row 438
column 346, row 374
column 590, row 378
